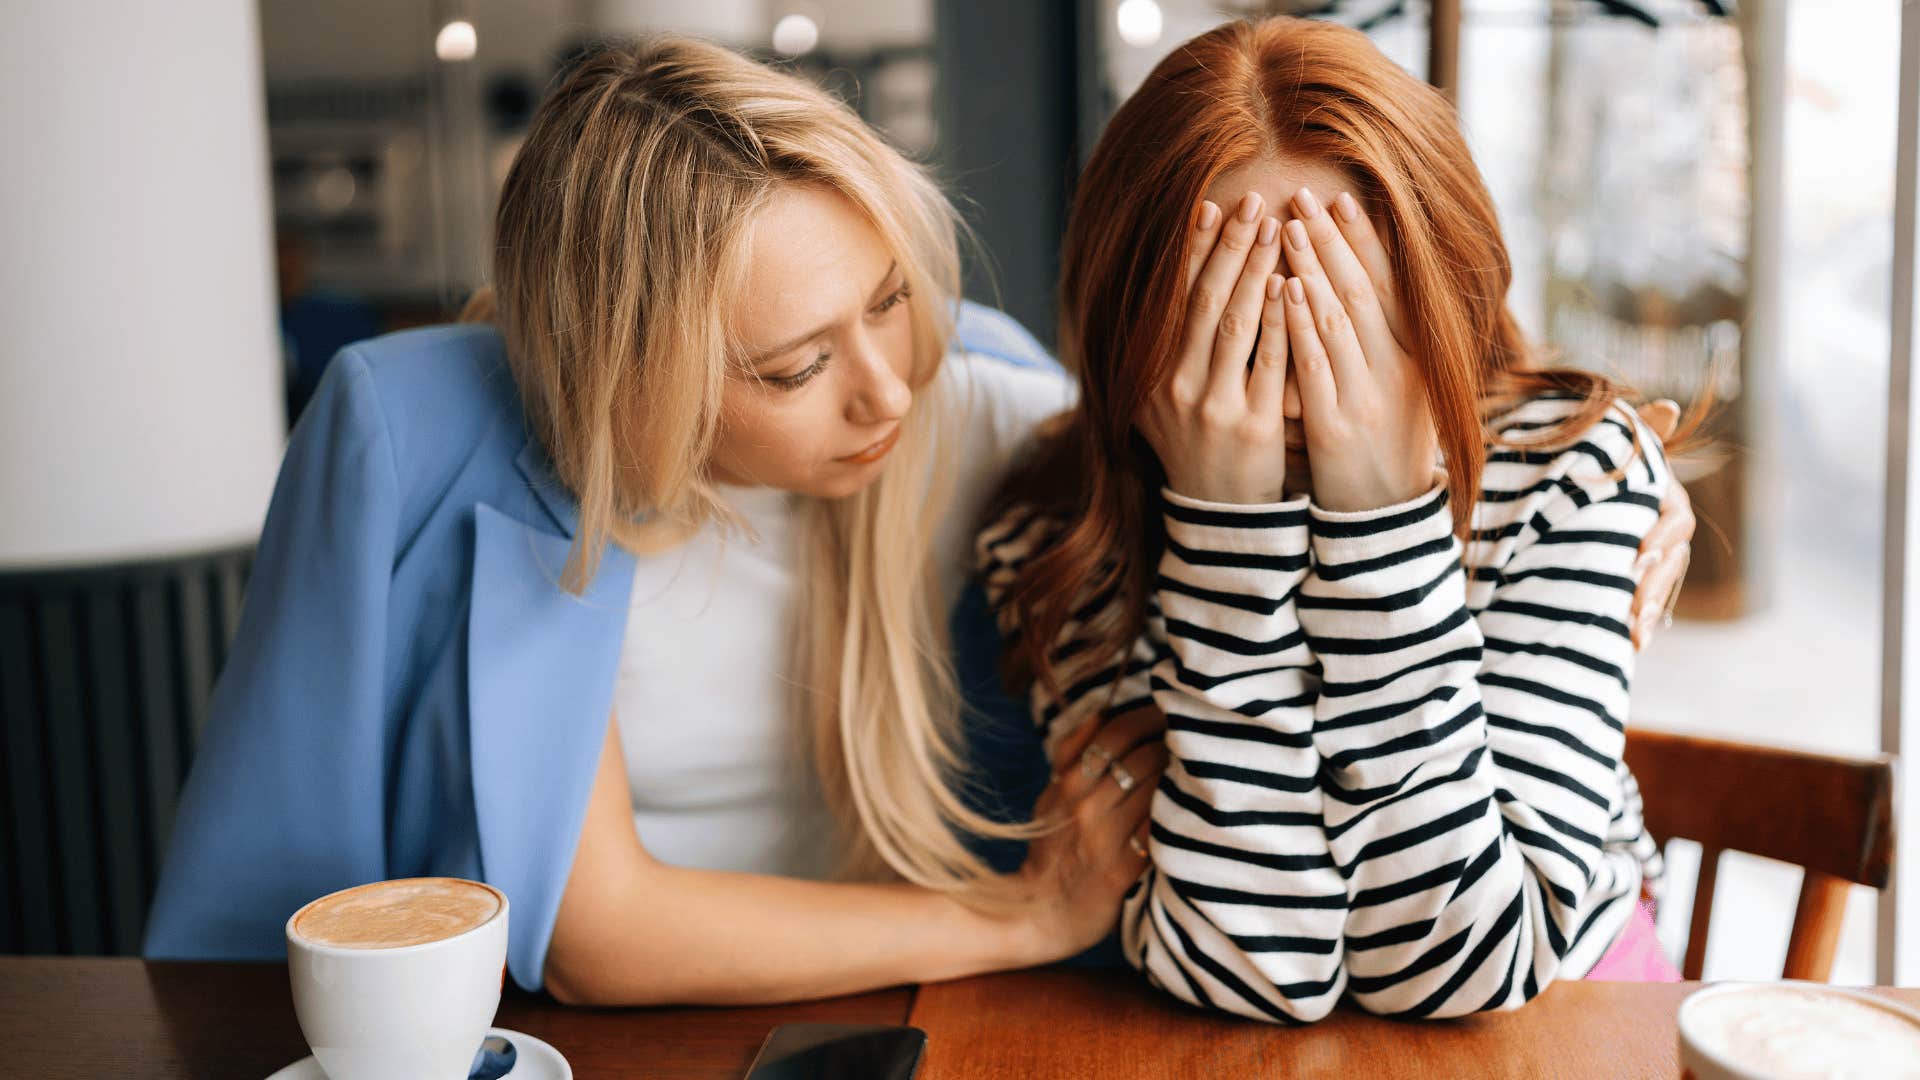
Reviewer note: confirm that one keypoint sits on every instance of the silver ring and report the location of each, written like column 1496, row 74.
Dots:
column 1122, row 777
column 1094, row 760
column 1139, row 848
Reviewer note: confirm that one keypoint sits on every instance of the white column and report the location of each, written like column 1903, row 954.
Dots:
column 140, row 379
column 1898, row 957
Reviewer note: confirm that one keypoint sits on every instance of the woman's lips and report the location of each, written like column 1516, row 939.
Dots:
column 875, row 451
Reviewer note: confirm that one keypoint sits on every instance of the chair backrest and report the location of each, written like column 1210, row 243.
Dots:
column 1833, row 816
column 105, row 675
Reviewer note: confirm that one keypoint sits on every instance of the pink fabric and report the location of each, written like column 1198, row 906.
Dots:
column 1635, row 955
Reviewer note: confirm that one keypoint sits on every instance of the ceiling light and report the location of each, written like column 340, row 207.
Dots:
column 457, row 41
column 795, row 34
column 1139, row 22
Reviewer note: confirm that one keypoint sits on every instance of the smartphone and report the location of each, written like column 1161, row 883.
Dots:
column 839, row 1052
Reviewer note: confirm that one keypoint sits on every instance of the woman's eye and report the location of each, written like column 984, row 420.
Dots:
column 805, row 375
column 800, row 378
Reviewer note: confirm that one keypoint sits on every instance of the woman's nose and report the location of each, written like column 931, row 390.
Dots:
column 880, row 393
column 1290, row 402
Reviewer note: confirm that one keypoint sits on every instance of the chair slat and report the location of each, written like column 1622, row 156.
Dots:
column 1702, row 914
column 1816, row 927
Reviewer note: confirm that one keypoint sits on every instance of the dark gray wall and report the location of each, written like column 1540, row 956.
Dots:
column 1009, row 99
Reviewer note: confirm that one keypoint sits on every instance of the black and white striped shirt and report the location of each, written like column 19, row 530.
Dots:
column 1390, row 777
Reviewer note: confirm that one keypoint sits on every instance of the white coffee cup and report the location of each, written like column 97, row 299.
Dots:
column 1764, row 1031
column 376, row 1011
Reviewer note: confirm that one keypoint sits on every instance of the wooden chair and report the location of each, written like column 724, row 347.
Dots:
column 1832, row 816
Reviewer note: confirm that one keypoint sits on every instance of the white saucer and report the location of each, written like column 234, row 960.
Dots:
column 534, row 1060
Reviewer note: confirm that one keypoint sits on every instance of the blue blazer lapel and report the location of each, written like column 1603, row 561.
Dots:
column 541, row 665
column 534, row 469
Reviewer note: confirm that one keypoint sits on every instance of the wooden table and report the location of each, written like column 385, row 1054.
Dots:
column 1064, row 1024
column 62, row 1018
column 77, row 1018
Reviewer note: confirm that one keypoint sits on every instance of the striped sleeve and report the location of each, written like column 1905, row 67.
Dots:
column 1242, row 906
column 1000, row 551
column 1472, row 765
column 1389, row 778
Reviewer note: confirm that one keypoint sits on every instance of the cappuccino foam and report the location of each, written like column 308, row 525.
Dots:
column 1794, row 1032
column 395, row 914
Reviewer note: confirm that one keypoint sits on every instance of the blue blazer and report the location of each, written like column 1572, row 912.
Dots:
column 410, row 691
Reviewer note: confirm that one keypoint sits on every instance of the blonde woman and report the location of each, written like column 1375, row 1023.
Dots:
column 629, row 599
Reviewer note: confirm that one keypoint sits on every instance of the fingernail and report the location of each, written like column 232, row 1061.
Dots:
column 1308, row 205
column 1645, row 561
column 1348, row 210
column 1296, row 291
column 1267, row 229
column 1209, row 215
column 1249, row 206
column 1297, row 235
column 1274, row 284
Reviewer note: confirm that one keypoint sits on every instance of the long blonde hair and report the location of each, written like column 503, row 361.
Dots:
column 619, row 240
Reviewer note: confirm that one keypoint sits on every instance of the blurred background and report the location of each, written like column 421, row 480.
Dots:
column 206, row 199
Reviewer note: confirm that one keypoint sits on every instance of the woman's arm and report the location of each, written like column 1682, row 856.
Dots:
column 1472, row 769
column 1242, row 909
column 1473, row 766
column 1443, row 860
column 634, row 931
column 284, row 800
column 1244, row 906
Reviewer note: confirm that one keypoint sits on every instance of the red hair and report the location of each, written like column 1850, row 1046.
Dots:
column 1247, row 91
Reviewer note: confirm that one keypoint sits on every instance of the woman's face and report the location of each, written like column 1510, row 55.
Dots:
column 1278, row 180
column 829, row 344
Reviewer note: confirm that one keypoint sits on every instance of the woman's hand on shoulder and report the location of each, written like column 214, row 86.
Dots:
column 1216, row 424
column 1667, row 548
column 1076, row 876
column 1369, row 434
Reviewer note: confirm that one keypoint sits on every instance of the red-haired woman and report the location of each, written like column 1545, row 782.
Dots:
column 1321, row 507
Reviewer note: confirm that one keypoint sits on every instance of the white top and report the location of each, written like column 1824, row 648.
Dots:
column 1393, row 777
column 715, row 755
